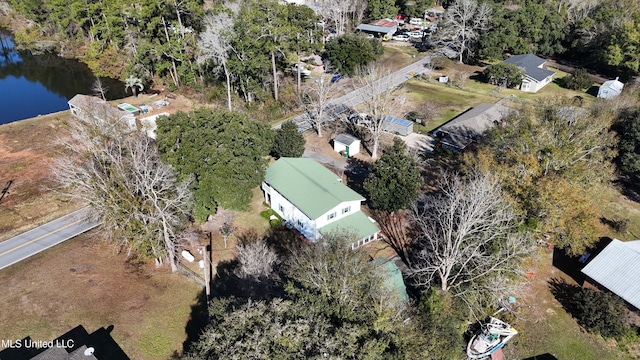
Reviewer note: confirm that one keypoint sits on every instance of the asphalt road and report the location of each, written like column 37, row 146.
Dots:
column 340, row 105
column 41, row 238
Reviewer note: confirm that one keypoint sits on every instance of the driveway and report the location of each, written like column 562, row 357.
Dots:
column 323, row 159
column 420, row 142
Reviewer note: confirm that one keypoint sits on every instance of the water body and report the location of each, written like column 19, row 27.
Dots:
column 38, row 84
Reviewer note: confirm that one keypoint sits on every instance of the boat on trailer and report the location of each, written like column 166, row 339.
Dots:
column 492, row 336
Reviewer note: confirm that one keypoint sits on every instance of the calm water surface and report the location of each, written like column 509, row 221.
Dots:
column 32, row 85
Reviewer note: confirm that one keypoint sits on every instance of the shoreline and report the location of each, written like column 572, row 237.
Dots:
column 41, row 116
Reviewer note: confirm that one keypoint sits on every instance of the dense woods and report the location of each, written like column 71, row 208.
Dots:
column 259, row 41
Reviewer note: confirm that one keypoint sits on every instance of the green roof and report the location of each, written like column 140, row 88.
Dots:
column 393, row 277
column 309, row 186
column 357, row 222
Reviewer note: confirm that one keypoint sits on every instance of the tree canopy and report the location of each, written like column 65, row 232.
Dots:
column 223, row 150
column 335, row 304
column 504, row 74
column 349, row 52
column 628, row 128
column 394, row 180
column 549, row 160
column 137, row 198
column 288, row 141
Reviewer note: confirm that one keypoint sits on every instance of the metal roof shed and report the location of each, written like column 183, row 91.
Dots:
column 398, row 126
column 617, row 268
column 347, row 143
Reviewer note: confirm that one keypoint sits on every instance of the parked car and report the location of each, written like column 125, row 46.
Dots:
column 303, row 71
column 400, row 38
column 336, row 77
column 415, row 21
column 401, row 32
column 416, row 35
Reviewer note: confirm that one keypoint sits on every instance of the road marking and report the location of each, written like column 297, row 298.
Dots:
column 40, row 237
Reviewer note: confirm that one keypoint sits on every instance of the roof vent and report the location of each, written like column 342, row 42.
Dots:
column 89, row 351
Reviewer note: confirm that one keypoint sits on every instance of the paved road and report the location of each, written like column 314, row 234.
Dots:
column 41, row 238
column 340, row 105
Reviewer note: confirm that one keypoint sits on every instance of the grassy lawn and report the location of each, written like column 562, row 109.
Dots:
column 452, row 101
column 397, row 57
column 545, row 327
column 84, row 282
column 550, row 91
column 27, row 149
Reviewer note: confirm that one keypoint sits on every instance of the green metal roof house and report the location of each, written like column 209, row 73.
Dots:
column 314, row 200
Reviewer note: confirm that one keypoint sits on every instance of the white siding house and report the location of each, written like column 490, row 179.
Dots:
column 536, row 75
column 313, row 200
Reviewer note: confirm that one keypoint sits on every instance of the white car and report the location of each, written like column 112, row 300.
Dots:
column 400, row 38
column 303, row 71
column 416, row 35
column 415, row 21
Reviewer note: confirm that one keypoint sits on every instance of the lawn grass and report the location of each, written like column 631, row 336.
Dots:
column 451, row 100
column 84, row 282
column 552, row 90
column 397, row 57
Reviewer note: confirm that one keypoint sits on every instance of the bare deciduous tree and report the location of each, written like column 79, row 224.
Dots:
column 256, row 260
column 316, row 97
column 467, row 239
column 377, row 97
column 462, row 23
column 214, row 45
column 227, row 229
column 136, row 196
column 99, row 89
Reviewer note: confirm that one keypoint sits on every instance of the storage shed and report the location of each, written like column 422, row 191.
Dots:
column 610, row 89
column 398, row 126
column 347, row 143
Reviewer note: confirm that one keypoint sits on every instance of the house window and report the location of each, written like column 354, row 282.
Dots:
column 346, row 210
column 281, row 208
column 331, row 216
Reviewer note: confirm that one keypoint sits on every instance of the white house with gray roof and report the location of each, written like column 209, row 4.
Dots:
column 536, row 75
column 314, row 201
column 617, row 268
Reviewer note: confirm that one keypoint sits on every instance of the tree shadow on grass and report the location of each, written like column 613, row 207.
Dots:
column 198, row 320
column 563, row 292
column 571, row 265
column 546, row 356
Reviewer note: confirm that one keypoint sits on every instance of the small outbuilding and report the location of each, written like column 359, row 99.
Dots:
column 346, row 144
column 398, row 126
column 610, row 89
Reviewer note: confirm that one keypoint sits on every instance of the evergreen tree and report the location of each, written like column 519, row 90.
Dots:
column 288, row 141
column 224, row 151
column 394, row 180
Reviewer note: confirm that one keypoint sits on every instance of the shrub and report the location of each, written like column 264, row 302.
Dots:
column 599, row 312
column 504, row 75
column 578, row 81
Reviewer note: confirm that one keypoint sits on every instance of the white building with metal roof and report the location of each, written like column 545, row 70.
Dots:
column 617, row 268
